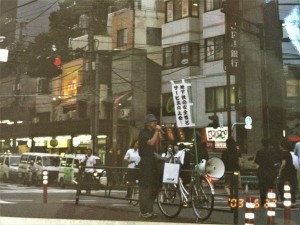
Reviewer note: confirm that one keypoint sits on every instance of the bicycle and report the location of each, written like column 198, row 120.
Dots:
column 134, row 195
column 200, row 194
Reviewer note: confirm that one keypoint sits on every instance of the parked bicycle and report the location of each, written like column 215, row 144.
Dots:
column 199, row 194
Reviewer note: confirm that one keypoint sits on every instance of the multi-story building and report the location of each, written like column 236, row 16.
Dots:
column 133, row 85
column 230, row 52
column 78, row 109
column 194, row 38
column 195, row 53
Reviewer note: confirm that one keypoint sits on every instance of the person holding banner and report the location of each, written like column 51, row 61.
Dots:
column 149, row 144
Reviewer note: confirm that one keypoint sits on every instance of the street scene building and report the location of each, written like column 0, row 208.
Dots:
column 240, row 59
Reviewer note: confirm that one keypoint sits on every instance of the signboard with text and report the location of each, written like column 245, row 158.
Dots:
column 182, row 104
column 232, row 39
column 217, row 135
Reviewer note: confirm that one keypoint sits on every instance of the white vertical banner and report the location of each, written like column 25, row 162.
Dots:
column 3, row 55
column 182, row 104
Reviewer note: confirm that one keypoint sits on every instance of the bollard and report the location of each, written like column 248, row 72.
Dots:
column 271, row 207
column 45, row 182
column 249, row 213
column 287, row 203
column 235, row 182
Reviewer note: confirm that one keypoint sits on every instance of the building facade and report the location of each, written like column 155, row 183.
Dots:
column 230, row 53
column 233, row 53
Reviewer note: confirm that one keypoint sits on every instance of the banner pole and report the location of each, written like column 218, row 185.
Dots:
column 194, row 127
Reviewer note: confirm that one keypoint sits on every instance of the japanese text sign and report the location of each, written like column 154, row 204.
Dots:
column 182, row 104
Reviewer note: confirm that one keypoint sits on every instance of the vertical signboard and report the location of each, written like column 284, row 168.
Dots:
column 232, row 42
column 182, row 104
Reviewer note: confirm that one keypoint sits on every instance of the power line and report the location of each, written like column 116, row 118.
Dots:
column 11, row 9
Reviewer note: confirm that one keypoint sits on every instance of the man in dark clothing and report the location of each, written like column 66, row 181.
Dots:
column 266, row 172
column 230, row 158
column 149, row 139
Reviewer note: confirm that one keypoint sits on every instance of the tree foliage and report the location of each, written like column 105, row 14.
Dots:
column 63, row 24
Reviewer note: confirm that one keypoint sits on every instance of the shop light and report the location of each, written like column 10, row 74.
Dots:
column 63, row 137
column 38, row 139
column 102, row 136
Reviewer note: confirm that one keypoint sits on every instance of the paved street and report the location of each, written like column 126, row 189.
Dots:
column 27, row 202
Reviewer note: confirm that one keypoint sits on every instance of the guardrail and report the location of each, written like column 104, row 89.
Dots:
column 115, row 180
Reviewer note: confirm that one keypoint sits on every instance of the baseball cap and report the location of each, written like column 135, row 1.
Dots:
column 150, row 118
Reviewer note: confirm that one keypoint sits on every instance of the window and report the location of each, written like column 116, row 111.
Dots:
column 178, row 9
column 292, row 88
column 215, row 98
column 122, row 37
column 39, row 161
column 214, row 48
column 154, row 36
column 211, row 5
column 168, row 57
column 51, row 161
column 69, row 162
column 63, row 162
column 293, row 82
column 181, row 55
column 44, row 117
column 44, row 86
column 24, row 159
column 31, row 158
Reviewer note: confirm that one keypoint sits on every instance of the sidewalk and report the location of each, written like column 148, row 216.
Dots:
column 35, row 221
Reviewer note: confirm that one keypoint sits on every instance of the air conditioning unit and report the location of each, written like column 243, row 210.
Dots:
column 123, row 113
column 35, row 120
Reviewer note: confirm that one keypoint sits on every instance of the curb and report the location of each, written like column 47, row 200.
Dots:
column 39, row 221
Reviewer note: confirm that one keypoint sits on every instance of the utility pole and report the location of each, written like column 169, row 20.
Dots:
column 86, row 22
column 17, row 85
column 234, row 24
column 94, row 82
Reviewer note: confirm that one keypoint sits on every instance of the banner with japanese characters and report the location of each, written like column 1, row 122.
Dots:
column 182, row 104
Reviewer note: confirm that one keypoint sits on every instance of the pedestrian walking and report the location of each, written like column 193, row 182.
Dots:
column 149, row 142
column 89, row 161
column 31, row 173
column 133, row 158
column 230, row 158
column 287, row 171
column 266, row 173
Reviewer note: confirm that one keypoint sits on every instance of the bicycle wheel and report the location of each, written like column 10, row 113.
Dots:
column 134, row 195
column 202, row 198
column 169, row 200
